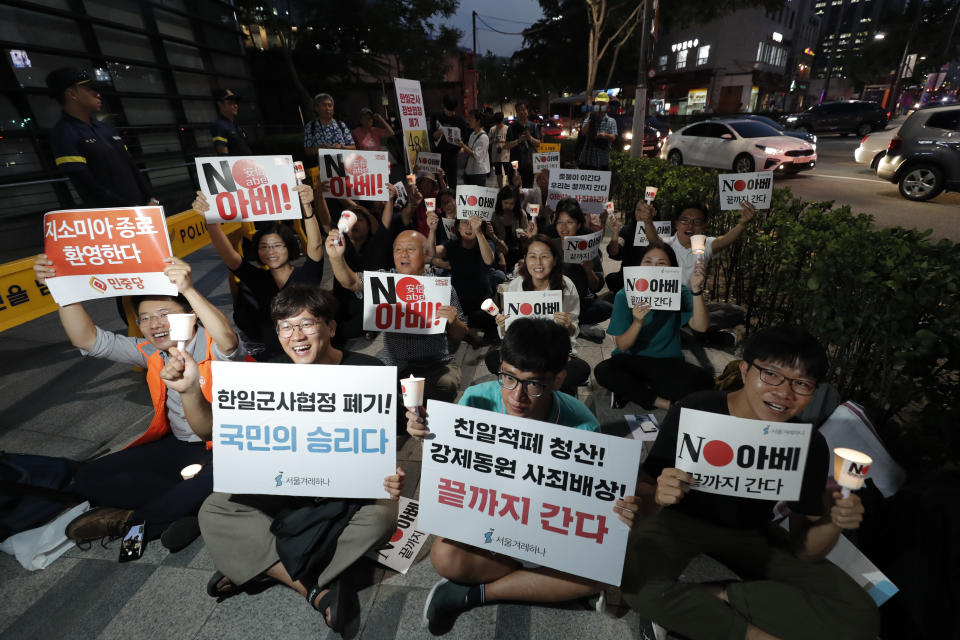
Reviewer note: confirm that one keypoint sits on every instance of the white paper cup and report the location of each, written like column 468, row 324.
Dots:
column 609, row 207
column 190, row 471
column 649, row 194
column 181, row 326
column 299, row 171
column 515, row 164
column 850, row 469
column 411, row 179
column 412, row 390
column 534, row 209
column 698, row 244
column 431, row 203
column 490, row 307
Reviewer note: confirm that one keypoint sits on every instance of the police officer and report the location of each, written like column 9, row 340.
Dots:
column 91, row 151
column 229, row 138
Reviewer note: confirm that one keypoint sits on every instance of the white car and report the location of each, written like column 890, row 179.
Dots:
column 874, row 146
column 741, row 145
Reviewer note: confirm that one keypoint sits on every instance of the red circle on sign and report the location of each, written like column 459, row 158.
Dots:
column 408, row 290
column 739, row 185
column 642, row 285
column 526, row 309
column 582, row 245
column 396, row 535
column 248, row 174
column 472, row 201
column 403, row 388
column 718, row 453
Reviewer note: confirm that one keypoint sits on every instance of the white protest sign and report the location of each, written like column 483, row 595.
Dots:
column 546, row 160
column 531, row 304
column 401, row 188
column 399, row 552
column 577, row 249
column 448, row 224
column 590, row 188
column 476, row 202
column 413, row 118
column 756, row 188
column 664, row 230
column 303, row 429
column 452, row 134
column 404, row 304
column 355, row 174
column 532, row 490
column 427, row 161
column 738, row 457
column 242, row 187
column 658, row 287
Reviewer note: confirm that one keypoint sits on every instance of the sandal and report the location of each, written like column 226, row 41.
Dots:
column 214, row 591
column 341, row 604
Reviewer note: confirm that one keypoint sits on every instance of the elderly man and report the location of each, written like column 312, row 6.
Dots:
column 423, row 356
column 324, row 132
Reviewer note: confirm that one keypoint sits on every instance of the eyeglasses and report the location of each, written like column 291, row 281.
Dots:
column 774, row 379
column 308, row 327
column 272, row 247
column 161, row 316
column 533, row 388
column 696, row 222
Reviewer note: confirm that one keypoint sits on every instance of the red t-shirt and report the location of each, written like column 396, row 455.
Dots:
column 369, row 140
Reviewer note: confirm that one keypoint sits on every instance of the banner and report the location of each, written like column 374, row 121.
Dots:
column 355, row 174
column 532, row 490
column 549, row 147
column 476, row 202
column 531, row 304
column 404, row 304
column 664, row 230
column 545, row 160
column 303, row 430
column 428, row 162
column 756, row 188
column 103, row 253
column 739, row 457
column 413, row 118
column 243, row 187
column 452, row 134
column 658, row 287
column 399, row 552
column 590, row 188
column 577, row 249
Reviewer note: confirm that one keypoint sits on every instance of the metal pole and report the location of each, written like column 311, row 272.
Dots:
column 640, row 96
column 476, row 69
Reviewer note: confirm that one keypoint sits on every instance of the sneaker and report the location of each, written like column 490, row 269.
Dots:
column 598, row 601
column 592, row 332
column 180, row 533
column 98, row 523
column 444, row 601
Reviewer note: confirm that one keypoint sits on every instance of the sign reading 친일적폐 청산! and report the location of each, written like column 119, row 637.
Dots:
column 249, row 188
column 303, row 429
column 400, row 303
column 658, row 287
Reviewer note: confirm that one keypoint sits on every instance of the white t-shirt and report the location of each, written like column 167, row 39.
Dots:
column 478, row 163
column 686, row 259
column 498, row 140
column 570, row 304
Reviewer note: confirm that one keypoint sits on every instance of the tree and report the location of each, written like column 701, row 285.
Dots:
column 611, row 24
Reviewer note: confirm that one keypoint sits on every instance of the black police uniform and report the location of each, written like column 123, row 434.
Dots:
column 230, row 135
column 95, row 159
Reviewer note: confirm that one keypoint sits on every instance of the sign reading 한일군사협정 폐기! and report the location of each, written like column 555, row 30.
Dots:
column 588, row 187
column 476, row 202
column 658, row 287
column 303, row 429
column 355, row 174
column 739, row 457
column 400, row 303
column 755, row 188
column 531, row 304
column 413, row 118
column 249, row 188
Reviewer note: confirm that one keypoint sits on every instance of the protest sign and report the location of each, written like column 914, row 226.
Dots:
column 355, row 174
column 102, row 253
column 549, row 147
column 658, row 287
column 545, row 160
column 399, row 552
column 452, row 134
column 756, row 188
column 532, row 490
column 577, row 249
column 531, row 304
column 590, row 188
column 401, row 193
column 404, row 304
column 448, row 224
column 738, row 457
column 476, row 202
column 664, row 230
column 428, row 162
column 242, row 187
column 413, row 118
column 303, row 430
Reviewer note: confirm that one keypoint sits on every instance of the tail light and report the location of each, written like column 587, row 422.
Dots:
column 864, row 139
column 895, row 143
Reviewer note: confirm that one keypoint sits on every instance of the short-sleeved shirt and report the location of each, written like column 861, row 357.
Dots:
column 598, row 155
column 731, row 511
column 660, row 335
column 316, row 134
column 229, row 138
column 123, row 349
column 498, row 147
column 371, row 140
column 479, row 162
column 570, row 305
column 264, row 287
column 469, row 271
column 523, row 152
column 686, row 258
column 566, row 410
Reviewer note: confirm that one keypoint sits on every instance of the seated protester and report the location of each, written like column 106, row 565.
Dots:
column 470, row 256
column 540, row 270
column 277, row 247
column 586, row 276
column 423, row 356
column 413, row 215
column 537, row 194
column 510, row 225
column 446, row 208
column 477, row 150
column 788, row 590
column 621, row 247
column 647, row 367
column 533, row 357
column 142, row 483
column 239, row 529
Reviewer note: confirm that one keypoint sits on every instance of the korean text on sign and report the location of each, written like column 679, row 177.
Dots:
column 303, row 430
column 399, row 552
column 545, row 160
column 658, row 287
column 254, row 188
column 590, row 188
column 413, row 118
column 577, row 249
column 100, row 253
column 746, row 458
column 355, row 174
column 755, row 188
column 532, row 490
column 476, row 202
column 664, row 229
column 531, row 304
column 404, row 304
column 428, row 162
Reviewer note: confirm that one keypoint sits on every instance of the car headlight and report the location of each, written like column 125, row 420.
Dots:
column 814, row 141
column 658, row 133
column 770, row 151
column 626, row 147
column 792, row 119
column 628, row 135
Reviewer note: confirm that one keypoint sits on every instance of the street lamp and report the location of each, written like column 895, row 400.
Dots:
column 879, row 36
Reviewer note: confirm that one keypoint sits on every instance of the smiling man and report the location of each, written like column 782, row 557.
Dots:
column 788, row 589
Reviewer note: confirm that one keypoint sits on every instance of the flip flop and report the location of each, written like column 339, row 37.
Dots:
column 341, row 603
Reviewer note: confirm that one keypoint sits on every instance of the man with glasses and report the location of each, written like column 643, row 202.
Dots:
column 142, row 483
column 787, row 590
column 533, row 358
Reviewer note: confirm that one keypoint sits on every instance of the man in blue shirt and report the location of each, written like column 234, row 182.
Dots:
column 229, row 138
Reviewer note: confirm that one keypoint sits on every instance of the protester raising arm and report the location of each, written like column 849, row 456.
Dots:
column 747, row 213
column 76, row 322
column 700, row 321
column 386, row 218
column 346, row 276
column 213, row 320
column 311, row 224
column 181, row 374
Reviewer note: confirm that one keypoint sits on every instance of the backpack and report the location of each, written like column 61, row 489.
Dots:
column 33, row 490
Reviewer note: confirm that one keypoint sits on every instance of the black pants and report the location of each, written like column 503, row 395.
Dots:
column 642, row 379
column 147, row 479
column 578, row 371
column 448, row 162
column 476, row 179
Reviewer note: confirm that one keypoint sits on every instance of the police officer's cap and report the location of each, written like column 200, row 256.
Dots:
column 226, row 94
column 59, row 80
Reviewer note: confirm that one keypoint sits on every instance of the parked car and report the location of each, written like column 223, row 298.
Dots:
column 652, row 141
column 874, row 146
column 552, row 131
column 741, row 145
column 924, row 157
column 796, row 133
column 843, row 117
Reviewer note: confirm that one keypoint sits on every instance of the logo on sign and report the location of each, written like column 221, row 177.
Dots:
column 488, row 537
column 98, row 284
column 410, row 290
column 857, row 469
column 356, row 165
column 248, row 174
